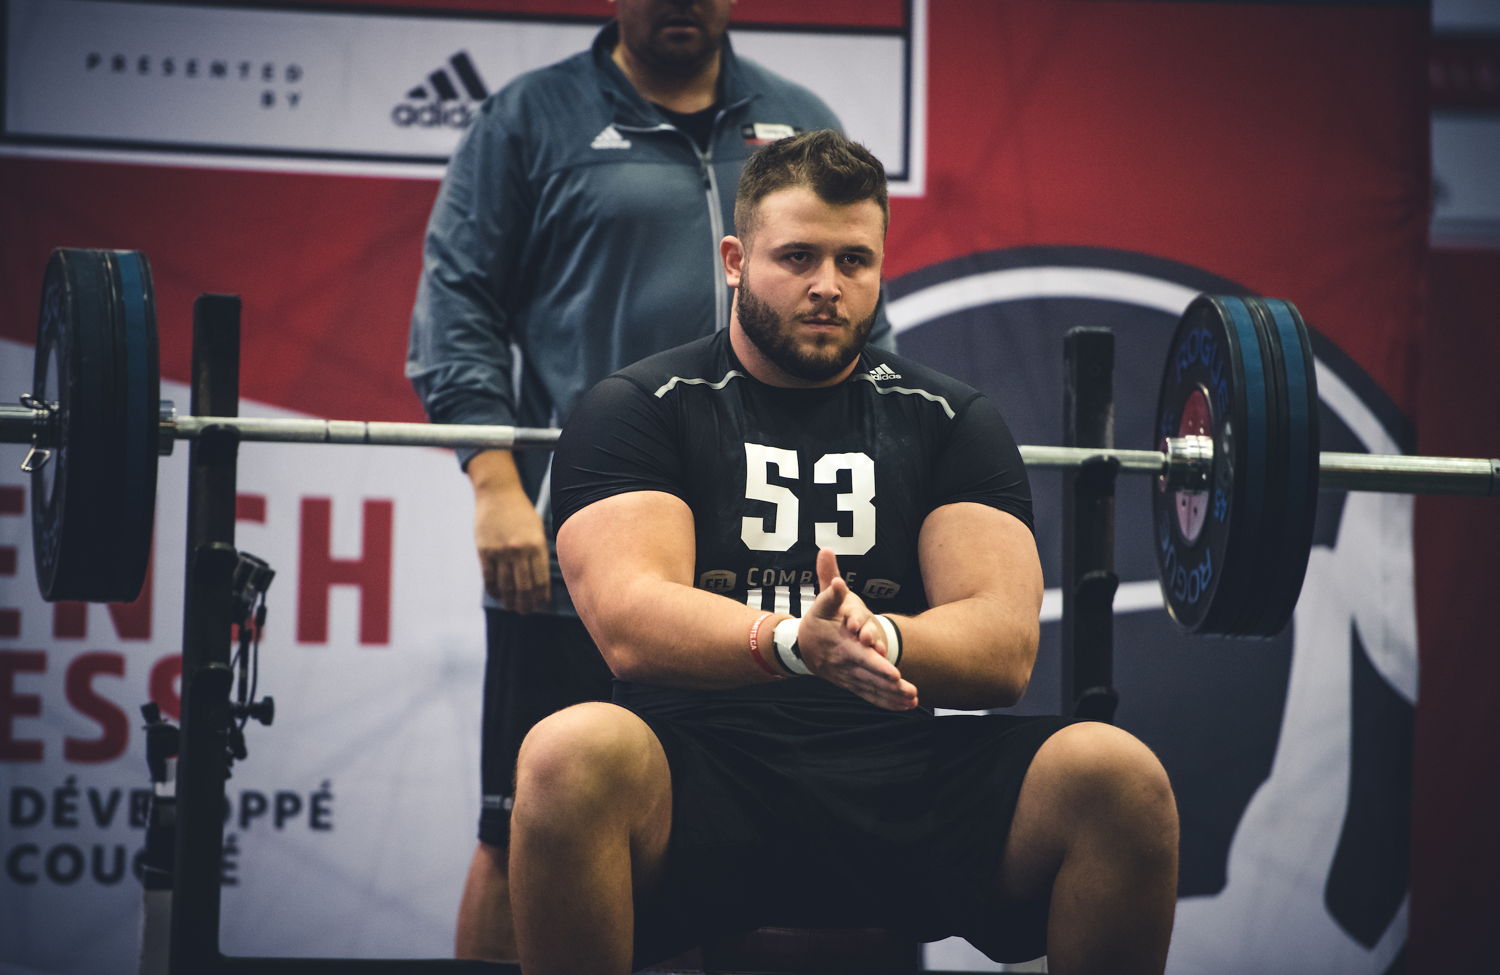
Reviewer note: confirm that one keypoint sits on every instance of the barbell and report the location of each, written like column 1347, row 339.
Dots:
column 1237, row 473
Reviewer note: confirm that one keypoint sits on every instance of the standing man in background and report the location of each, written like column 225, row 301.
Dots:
column 576, row 231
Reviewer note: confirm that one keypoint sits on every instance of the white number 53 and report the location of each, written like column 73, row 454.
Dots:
column 777, row 531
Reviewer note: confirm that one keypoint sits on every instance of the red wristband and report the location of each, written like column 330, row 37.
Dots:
column 755, row 647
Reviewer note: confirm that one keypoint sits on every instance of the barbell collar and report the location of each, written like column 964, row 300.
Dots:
column 166, row 428
column 1189, row 460
column 32, row 422
column 35, row 422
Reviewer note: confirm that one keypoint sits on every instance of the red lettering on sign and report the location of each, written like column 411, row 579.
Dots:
column 319, row 571
column 107, row 704
column 70, row 620
column 114, row 728
column 12, row 502
column 250, row 507
column 14, row 705
column 165, row 685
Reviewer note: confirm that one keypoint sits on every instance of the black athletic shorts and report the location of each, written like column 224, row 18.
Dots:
column 891, row 823
column 534, row 665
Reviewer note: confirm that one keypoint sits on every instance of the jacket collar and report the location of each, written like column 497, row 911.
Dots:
column 734, row 87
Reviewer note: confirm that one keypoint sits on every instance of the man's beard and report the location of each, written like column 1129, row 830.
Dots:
column 680, row 61
column 810, row 361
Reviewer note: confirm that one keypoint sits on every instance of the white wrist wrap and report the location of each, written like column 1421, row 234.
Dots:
column 785, row 640
column 892, row 640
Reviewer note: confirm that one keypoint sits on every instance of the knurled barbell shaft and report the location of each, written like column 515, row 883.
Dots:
column 1130, row 461
column 287, row 430
column 1387, row 473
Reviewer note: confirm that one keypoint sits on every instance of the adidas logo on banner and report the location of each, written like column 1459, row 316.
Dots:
column 449, row 94
column 610, row 139
column 441, row 82
column 883, row 371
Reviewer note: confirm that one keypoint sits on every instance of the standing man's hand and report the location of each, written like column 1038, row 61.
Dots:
column 508, row 534
column 841, row 641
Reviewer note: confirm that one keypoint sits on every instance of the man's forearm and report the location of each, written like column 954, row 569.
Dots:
column 628, row 561
column 975, row 648
column 493, row 470
column 970, row 654
column 668, row 633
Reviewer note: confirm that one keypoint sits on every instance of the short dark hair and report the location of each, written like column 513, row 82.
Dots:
column 838, row 170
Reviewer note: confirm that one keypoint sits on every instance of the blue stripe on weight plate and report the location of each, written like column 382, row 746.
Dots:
column 1252, row 479
column 140, row 431
column 1302, row 448
column 1301, row 384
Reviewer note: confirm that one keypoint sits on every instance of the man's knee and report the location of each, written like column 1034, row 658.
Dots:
column 585, row 759
column 1097, row 772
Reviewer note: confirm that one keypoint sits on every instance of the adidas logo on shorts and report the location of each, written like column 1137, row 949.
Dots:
column 883, row 371
column 610, row 139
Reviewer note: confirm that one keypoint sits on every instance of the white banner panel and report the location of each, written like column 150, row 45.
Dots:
column 359, row 89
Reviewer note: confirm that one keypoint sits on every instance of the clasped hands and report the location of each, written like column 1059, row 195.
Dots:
column 841, row 641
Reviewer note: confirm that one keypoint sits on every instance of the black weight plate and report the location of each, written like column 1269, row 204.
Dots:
column 1205, row 556
column 1298, row 486
column 1262, row 552
column 93, row 502
column 142, row 417
column 1255, row 432
column 68, row 377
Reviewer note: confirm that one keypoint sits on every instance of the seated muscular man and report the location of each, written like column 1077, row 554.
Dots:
column 789, row 548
